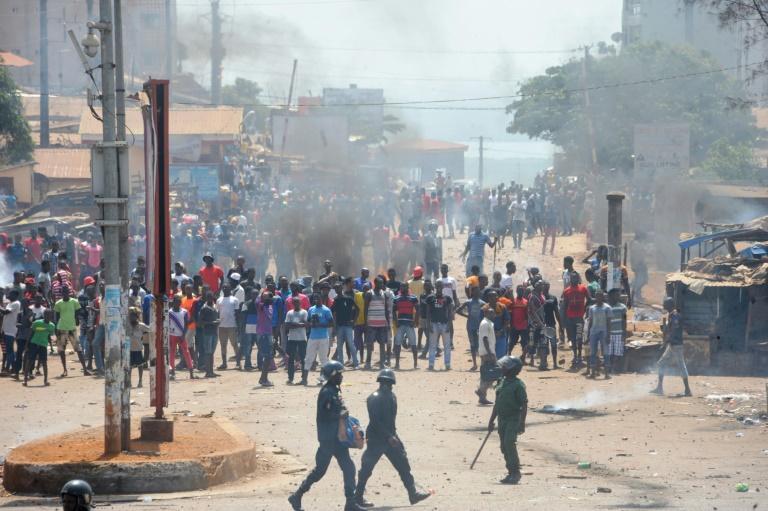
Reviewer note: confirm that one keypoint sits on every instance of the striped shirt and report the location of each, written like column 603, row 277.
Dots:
column 377, row 310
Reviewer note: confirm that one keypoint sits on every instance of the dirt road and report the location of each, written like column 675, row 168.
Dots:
column 650, row 452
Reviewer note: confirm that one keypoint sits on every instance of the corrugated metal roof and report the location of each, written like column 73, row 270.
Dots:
column 59, row 163
column 425, row 145
column 12, row 60
column 222, row 121
column 58, row 106
column 737, row 191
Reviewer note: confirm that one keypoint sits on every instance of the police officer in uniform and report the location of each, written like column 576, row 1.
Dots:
column 511, row 408
column 330, row 409
column 77, row 495
column 383, row 440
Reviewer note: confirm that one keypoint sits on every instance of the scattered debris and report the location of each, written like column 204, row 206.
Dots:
column 294, row 470
column 742, row 487
column 602, row 489
column 728, row 397
column 583, row 465
column 571, row 477
column 282, row 451
column 208, row 415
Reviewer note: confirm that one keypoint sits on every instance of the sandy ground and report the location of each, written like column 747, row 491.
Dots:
column 651, row 452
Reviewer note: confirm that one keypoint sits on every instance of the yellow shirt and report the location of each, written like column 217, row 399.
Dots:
column 360, row 302
column 416, row 287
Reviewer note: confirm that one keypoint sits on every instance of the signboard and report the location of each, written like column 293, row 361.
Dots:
column 661, row 149
column 318, row 138
column 363, row 107
column 204, row 177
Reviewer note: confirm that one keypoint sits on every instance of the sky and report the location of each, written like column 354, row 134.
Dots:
column 417, row 50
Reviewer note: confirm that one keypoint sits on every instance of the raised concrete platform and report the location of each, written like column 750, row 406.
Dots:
column 205, row 452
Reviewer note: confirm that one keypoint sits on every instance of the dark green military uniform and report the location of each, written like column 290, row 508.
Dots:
column 511, row 399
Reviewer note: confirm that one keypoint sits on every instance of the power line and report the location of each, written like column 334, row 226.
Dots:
column 420, row 50
column 647, row 81
column 258, row 3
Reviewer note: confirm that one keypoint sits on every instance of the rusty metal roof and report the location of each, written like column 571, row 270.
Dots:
column 12, row 60
column 60, row 163
column 217, row 122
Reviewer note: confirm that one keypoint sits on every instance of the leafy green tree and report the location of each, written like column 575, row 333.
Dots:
column 552, row 105
column 730, row 161
column 243, row 92
column 15, row 140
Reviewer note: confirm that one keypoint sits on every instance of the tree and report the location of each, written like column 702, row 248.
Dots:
column 730, row 161
column 243, row 93
column 641, row 84
column 15, row 140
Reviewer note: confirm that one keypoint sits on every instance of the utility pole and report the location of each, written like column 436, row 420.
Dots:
column 170, row 34
column 481, row 166
column 44, row 124
column 588, row 112
column 124, row 251
column 217, row 53
column 110, row 223
column 287, row 116
column 689, row 21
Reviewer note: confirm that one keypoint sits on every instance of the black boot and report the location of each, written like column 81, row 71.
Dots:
column 351, row 505
column 295, row 500
column 304, row 375
column 360, row 500
column 415, row 495
column 512, row 478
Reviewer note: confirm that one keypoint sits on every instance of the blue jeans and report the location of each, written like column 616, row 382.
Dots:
column 246, row 346
column 98, row 352
column 440, row 330
column 597, row 337
column 346, row 335
column 9, row 355
column 264, row 345
column 501, row 344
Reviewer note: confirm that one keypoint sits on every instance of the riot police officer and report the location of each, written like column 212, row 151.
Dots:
column 383, row 440
column 511, row 408
column 330, row 410
column 76, row 495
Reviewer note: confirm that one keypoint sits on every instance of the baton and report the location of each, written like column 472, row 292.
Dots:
column 480, row 450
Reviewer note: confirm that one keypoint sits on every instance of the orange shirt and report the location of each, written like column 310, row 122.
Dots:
column 188, row 304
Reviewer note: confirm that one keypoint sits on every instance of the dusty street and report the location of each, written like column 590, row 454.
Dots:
column 648, row 452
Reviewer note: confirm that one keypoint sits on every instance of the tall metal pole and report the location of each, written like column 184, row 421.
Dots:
column 480, row 170
column 588, row 112
column 44, row 125
column 169, row 36
column 287, row 114
column 124, row 258
column 110, row 227
column 217, row 53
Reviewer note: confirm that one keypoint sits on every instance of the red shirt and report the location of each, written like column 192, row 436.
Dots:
column 212, row 277
column 35, row 249
column 576, row 301
column 518, row 309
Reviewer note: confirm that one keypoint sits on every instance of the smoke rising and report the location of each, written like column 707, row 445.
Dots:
column 598, row 398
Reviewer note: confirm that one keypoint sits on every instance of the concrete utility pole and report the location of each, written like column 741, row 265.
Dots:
column 110, row 223
column 124, row 251
column 689, row 21
column 217, row 53
column 44, row 125
column 481, row 166
column 588, row 112
column 170, row 34
column 287, row 116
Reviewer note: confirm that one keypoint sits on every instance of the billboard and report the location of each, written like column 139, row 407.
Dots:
column 662, row 149
column 364, row 120
column 204, row 177
column 315, row 137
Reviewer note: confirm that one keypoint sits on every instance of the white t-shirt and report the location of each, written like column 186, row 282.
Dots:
column 239, row 293
column 37, row 312
column 449, row 283
column 175, row 329
column 10, row 319
column 300, row 316
column 511, row 281
column 227, row 305
column 180, row 279
column 486, row 330
column 518, row 210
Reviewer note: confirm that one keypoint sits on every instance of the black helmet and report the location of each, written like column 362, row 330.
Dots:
column 76, row 495
column 510, row 364
column 331, row 368
column 386, row 375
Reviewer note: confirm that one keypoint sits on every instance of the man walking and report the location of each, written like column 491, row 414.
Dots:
column 673, row 353
column 66, row 308
column 330, row 410
column 383, row 440
column 476, row 249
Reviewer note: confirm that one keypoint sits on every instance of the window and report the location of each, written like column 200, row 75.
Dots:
column 637, row 9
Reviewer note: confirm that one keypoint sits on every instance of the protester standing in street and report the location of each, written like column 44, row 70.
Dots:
column 383, row 440
column 439, row 325
column 487, row 336
column 598, row 316
column 405, row 316
column 472, row 309
column 475, row 248
column 296, row 325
